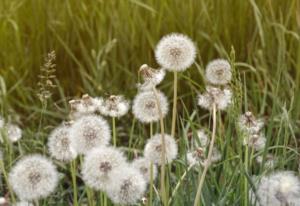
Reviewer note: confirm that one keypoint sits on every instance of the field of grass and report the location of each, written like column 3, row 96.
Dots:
column 101, row 44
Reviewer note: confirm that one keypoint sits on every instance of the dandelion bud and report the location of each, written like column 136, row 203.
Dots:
column 33, row 177
column 218, row 72
column 146, row 106
column 114, row 106
column 153, row 149
column 144, row 166
column 175, row 52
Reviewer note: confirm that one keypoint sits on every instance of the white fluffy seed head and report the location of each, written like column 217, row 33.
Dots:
column 145, row 106
column 12, row 132
column 84, row 106
column 33, row 177
column 88, row 132
column 152, row 77
column 128, row 186
column 99, row 165
column 214, row 95
column 153, row 149
column 218, row 72
column 256, row 141
column 248, row 123
column 277, row 189
column 196, row 157
column 59, row 144
column 23, row 203
column 269, row 163
column 113, row 106
column 145, row 166
column 175, row 52
column 203, row 138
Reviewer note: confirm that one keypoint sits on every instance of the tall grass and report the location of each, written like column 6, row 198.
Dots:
column 100, row 45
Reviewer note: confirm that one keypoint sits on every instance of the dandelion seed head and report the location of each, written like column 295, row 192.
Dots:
column 270, row 160
column 13, row 132
column 144, row 166
column 99, row 165
column 59, row 144
column 114, row 106
column 153, row 149
column 33, row 177
column 175, row 52
column 88, row 132
column 152, row 77
column 279, row 188
column 214, row 95
column 216, row 155
column 84, row 106
column 196, row 157
column 145, row 106
column 248, row 123
column 203, row 138
column 218, row 72
column 23, row 203
column 256, row 141
column 128, row 188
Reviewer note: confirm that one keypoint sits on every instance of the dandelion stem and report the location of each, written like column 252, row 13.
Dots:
column 208, row 161
column 245, row 177
column 2, row 168
column 73, row 173
column 114, row 131
column 151, row 185
column 174, row 112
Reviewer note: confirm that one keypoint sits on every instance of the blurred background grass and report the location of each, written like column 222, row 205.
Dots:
column 100, row 44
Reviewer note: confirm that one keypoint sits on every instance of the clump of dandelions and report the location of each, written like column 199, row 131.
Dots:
column 175, row 52
column 153, row 149
column 152, row 77
column 144, row 166
column 59, row 143
column 218, row 72
column 113, row 106
column 277, row 189
column 88, row 132
column 33, row 177
column 128, row 186
column 99, row 164
column 146, row 103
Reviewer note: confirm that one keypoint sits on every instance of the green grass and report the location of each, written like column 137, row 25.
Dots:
column 100, row 44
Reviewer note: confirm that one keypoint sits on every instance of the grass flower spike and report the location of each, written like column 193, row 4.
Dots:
column 88, row 132
column 218, row 72
column 33, row 177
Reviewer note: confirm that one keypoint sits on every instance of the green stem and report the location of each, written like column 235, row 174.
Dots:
column 208, row 162
column 74, row 182
column 245, row 177
column 174, row 113
column 114, row 131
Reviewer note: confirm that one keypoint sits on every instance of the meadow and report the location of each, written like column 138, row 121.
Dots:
column 99, row 48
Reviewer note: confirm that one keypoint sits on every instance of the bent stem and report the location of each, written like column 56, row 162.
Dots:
column 208, row 162
column 174, row 112
column 163, row 155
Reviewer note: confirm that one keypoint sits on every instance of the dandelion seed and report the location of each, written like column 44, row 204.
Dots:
column 128, row 188
column 151, row 77
column 175, row 52
column 33, row 177
column 218, row 72
column 88, row 132
column 59, row 144
column 144, row 166
column 145, row 106
column 277, row 189
column 99, row 165
column 114, row 106
column 153, row 149
column 213, row 95
column 203, row 138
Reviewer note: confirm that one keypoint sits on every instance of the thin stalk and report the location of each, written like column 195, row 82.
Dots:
column 114, row 131
column 174, row 113
column 151, row 185
column 7, row 182
column 207, row 164
column 163, row 155
column 151, row 129
column 73, row 174
column 245, row 177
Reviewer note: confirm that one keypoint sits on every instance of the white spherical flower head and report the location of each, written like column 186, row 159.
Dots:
column 144, row 166
column 218, row 72
column 175, row 52
column 146, row 106
column 59, row 144
column 279, row 188
column 14, row 132
column 128, row 186
column 88, row 132
column 153, row 149
column 248, row 123
column 33, row 177
column 114, row 106
column 99, row 164
column 214, row 95
column 196, row 157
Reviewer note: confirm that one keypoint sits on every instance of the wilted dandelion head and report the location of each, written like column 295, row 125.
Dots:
column 214, row 95
column 144, row 166
column 23, row 203
column 151, row 77
column 203, row 138
column 218, row 72
column 99, row 164
column 13, row 132
column 249, row 124
column 59, row 144
column 33, row 177
column 256, row 141
column 279, row 188
column 175, row 52
column 84, row 106
column 88, row 132
column 153, row 149
column 113, row 106
column 146, row 106
column 128, row 186
column 195, row 157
